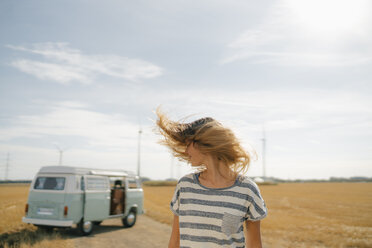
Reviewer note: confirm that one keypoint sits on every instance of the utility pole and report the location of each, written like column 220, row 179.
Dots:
column 178, row 169
column 172, row 165
column 139, row 153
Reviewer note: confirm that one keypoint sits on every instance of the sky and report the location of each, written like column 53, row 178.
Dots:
column 83, row 77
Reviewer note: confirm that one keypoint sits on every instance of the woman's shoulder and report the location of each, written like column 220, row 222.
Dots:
column 247, row 182
column 187, row 178
column 246, row 179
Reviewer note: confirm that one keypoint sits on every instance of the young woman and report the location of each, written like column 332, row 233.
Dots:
column 211, row 206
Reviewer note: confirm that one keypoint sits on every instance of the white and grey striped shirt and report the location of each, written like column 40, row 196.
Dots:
column 214, row 217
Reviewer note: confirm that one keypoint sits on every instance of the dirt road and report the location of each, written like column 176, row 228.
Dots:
column 145, row 233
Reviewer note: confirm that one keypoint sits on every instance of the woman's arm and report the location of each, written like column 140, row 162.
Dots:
column 253, row 234
column 174, row 241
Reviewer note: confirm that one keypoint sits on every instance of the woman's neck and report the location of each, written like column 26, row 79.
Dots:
column 217, row 173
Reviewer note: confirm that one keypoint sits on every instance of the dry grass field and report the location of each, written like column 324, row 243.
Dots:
column 15, row 233
column 300, row 214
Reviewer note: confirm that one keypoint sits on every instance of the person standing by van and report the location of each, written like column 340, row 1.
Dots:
column 211, row 206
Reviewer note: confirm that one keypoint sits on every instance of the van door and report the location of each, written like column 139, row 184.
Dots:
column 134, row 195
column 97, row 198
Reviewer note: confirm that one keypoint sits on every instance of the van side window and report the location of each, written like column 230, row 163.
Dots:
column 51, row 183
column 82, row 185
column 132, row 183
column 97, row 183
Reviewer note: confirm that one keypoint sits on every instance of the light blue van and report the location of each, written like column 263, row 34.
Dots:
column 63, row 196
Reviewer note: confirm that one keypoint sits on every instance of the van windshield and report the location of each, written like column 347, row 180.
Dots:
column 51, row 183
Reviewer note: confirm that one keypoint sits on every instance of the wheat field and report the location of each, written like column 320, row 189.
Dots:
column 15, row 233
column 300, row 215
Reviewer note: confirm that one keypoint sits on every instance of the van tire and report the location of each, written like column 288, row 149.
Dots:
column 85, row 227
column 130, row 219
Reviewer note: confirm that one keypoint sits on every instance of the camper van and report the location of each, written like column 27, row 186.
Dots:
column 63, row 196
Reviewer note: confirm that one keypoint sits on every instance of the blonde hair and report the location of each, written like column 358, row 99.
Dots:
column 209, row 135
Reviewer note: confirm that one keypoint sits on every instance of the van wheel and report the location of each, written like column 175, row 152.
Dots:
column 85, row 227
column 130, row 219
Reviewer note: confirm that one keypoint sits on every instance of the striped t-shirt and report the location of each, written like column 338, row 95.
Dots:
column 211, row 217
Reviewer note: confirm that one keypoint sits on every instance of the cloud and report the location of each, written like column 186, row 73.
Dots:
column 335, row 110
column 300, row 33
column 103, row 139
column 74, row 119
column 287, row 110
column 64, row 65
column 49, row 71
column 343, row 112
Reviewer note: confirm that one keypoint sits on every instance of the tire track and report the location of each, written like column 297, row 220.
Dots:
column 111, row 233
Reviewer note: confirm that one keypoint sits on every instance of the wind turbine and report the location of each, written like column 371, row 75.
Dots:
column 60, row 152
column 139, row 153
column 263, row 152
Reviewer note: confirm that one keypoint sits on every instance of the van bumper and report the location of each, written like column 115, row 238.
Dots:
column 64, row 223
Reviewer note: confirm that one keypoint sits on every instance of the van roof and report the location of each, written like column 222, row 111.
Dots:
column 83, row 171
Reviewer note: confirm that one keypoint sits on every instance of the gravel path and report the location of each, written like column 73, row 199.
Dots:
column 145, row 233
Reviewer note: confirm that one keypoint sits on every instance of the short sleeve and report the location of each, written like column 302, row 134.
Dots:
column 257, row 209
column 175, row 203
